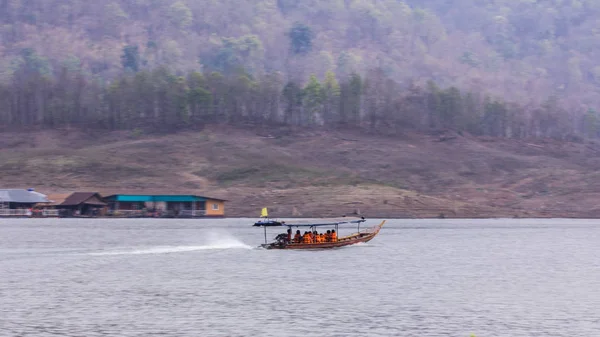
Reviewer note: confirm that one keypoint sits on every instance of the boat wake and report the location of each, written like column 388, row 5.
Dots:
column 214, row 241
column 358, row 245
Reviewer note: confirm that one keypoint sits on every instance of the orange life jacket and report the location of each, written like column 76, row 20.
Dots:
column 333, row 237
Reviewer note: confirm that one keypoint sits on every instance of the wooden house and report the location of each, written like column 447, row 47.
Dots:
column 84, row 204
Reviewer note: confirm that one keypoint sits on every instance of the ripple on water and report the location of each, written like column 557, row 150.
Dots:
column 206, row 278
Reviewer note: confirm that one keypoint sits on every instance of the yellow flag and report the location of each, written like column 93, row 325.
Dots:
column 264, row 213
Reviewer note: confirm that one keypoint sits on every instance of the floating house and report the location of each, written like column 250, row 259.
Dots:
column 162, row 205
column 15, row 202
column 84, row 204
column 49, row 209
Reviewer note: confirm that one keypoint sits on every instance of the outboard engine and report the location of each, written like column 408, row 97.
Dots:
column 281, row 238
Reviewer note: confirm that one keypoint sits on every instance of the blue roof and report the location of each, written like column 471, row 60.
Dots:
column 310, row 222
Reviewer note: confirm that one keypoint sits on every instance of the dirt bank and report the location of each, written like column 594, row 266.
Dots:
column 318, row 173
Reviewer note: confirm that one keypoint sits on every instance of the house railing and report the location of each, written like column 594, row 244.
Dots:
column 15, row 212
column 126, row 213
column 50, row 213
column 192, row 213
column 157, row 214
column 4, row 212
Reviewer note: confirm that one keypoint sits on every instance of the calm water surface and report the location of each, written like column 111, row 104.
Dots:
column 152, row 277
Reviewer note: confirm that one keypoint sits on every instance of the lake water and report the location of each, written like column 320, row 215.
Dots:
column 149, row 277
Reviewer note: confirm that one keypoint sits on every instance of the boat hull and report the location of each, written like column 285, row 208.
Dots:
column 344, row 241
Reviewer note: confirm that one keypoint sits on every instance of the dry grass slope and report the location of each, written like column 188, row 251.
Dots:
column 317, row 173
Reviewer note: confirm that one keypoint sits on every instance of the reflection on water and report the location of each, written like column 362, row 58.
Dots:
column 206, row 278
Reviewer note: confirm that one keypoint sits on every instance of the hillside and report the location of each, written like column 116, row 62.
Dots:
column 524, row 51
column 317, row 173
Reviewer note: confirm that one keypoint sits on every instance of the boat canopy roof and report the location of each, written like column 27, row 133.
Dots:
column 310, row 222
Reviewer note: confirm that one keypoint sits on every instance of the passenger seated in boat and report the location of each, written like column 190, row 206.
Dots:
column 306, row 238
column 333, row 236
column 315, row 236
column 297, row 237
column 321, row 238
column 328, row 236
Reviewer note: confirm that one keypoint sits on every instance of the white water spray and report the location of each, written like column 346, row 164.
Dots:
column 213, row 241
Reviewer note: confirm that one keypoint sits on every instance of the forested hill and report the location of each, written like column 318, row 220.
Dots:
column 76, row 61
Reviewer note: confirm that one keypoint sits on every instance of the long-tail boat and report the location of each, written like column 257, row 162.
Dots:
column 285, row 241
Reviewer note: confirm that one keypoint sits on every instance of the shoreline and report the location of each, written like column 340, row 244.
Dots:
column 313, row 217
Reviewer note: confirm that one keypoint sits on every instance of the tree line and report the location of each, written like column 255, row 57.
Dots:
column 518, row 49
column 161, row 100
